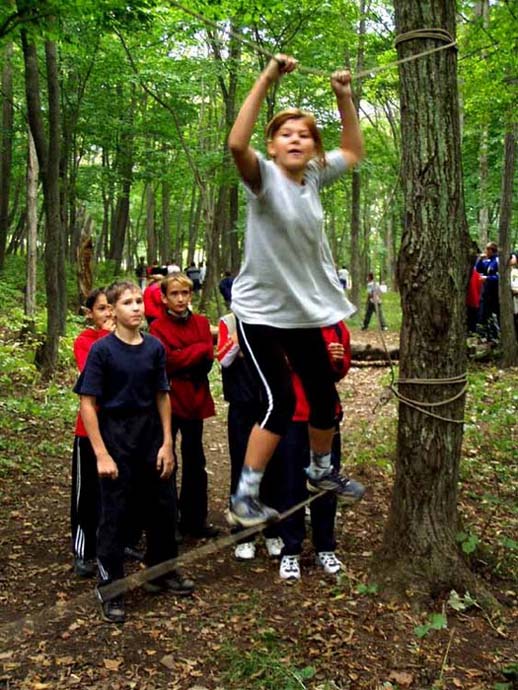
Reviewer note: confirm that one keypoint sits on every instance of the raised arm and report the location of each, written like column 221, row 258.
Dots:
column 239, row 138
column 351, row 140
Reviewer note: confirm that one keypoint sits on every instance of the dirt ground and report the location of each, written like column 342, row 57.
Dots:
column 244, row 627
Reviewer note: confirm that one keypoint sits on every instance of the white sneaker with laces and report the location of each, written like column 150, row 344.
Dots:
column 329, row 562
column 245, row 551
column 289, row 568
column 274, row 546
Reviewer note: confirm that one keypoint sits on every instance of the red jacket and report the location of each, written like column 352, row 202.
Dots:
column 474, row 289
column 153, row 305
column 189, row 357
column 331, row 334
column 82, row 345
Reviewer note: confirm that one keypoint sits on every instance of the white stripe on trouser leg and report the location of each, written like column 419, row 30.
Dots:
column 261, row 376
column 78, row 471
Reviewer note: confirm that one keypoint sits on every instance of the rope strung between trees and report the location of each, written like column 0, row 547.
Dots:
column 434, row 34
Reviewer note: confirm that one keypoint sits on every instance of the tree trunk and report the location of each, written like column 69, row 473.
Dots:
column 508, row 343
column 150, row 224
column 356, row 269
column 32, row 228
column 482, row 11
column 48, row 160
column 6, row 148
column 165, row 242
column 419, row 551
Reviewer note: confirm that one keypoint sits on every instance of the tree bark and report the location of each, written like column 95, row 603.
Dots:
column 419, row 550
column 150, row 224
column 6, row 148
column 508, row 343
column 32, row 228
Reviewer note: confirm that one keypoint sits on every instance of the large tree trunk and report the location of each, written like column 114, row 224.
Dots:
column 482, row 11
column 150, row 224
column 419, row 550
column 6, row 148
column 508, row 343
column 48, row 159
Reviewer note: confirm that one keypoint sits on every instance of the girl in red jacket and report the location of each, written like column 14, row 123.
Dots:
column 85, row 492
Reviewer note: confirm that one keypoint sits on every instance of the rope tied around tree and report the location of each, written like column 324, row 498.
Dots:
column 426, row 33
column 392, row 390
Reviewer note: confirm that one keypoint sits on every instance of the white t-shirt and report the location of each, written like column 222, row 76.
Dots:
column 288, row 278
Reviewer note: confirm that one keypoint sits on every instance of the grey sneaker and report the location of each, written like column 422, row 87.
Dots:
column 346, row 489
column 248, row 511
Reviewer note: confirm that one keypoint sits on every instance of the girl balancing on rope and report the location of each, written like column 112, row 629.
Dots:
column 287, row 288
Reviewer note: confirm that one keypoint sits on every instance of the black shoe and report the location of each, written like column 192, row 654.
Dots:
column 349, row 490
column 113, row 611
column 175, row 582
column 84, row 568
column 132, row 553
column 208, row 531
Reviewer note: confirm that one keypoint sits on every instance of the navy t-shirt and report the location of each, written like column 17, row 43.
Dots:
column 124, row 377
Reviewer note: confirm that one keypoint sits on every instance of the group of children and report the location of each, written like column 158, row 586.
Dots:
column 281, row 350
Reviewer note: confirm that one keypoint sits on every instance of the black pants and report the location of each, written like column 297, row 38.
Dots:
column 242, row 417
column 84, row 504
column 292, row 455
column 371, row 309
column 193, row 501
column 133, row 442
column 266, row 349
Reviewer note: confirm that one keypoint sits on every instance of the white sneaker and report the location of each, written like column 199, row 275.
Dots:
column 329, row 562
column 289, row 568
column 245, row 551
column 274, row 546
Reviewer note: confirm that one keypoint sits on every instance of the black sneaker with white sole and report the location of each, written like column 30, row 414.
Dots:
column 175, row 582
column 113, row 611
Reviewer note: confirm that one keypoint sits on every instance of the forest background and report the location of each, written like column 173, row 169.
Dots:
column 130, row 105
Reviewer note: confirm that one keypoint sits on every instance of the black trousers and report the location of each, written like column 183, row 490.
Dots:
column 267, row 350
column 133, row 441
column 240, row 421
column 193, row 503
column 292, row 455
column 85, row 499
column 371, row 309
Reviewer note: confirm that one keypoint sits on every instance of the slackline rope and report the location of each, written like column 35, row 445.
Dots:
column 420, row 405
column 433, row 34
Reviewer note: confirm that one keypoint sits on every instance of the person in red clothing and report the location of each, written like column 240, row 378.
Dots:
column 153, row 305
column 473, row 296
column 292, row 456
column 189, row 357
column 84, row 505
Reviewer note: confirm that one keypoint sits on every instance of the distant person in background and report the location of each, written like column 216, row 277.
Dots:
column 225, row 287
column 193, row 273
column 203, row 272
column 343, row 277
column 153, row 305
column 173, row 267
column 140, row 272
column 489, row 315
column 473, row 295
column 513, row 261
column 373, row 303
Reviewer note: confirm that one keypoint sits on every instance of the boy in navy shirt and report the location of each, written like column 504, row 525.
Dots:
column 126, row 412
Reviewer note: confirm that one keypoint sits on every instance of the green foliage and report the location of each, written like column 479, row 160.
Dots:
column 263, row 666
column 434, row 621
column 467, row 541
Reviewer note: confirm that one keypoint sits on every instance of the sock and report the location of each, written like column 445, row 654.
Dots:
column 249, row 482
column 319, row 465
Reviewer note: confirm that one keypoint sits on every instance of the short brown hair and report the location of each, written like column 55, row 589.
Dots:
column 115, row 290
column 181, row 278
column 279, row 119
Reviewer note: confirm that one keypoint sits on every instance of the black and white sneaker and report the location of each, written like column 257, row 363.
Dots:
column 113, row 611
column 348, row 490
column 249, row 511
